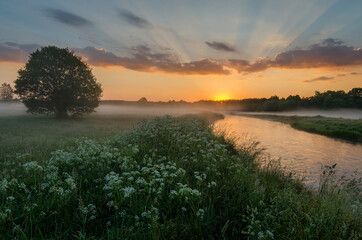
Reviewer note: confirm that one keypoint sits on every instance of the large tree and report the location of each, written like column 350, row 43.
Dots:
column 6, row 92
column 55, row 80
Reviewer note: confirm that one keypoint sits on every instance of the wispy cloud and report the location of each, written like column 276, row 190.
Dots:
column 133, row 19
column 322, row 78
column 221, row 46
column 354, row 73
column 67, row 18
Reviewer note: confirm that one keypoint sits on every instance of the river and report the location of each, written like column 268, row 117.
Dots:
column 302, row 152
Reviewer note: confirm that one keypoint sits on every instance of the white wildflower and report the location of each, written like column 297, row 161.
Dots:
column 200, row 213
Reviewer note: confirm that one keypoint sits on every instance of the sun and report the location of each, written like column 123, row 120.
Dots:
column 222, row 98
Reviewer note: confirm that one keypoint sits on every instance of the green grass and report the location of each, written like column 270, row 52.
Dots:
column 169, row 178
column 347, row 129
column 339, row 128
column 40, row 135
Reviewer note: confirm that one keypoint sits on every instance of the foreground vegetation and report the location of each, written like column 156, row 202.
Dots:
column 347, row 129
column 169, row 178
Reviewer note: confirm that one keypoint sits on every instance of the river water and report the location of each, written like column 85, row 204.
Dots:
column 299, row 151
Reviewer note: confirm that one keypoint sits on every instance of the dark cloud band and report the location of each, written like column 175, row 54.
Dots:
column 133, row 19
column 67, row 18
column 145, row 61
column 221, row 46
column 322, row 78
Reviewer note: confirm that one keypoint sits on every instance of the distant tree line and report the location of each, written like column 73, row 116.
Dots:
column 321, row 100
column 324, row 100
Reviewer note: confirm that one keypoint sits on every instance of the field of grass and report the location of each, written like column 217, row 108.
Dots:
column 37, row 136
column 168, row 178
column 347, row 129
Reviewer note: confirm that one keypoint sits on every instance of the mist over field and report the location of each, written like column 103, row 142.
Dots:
column 12, row 109
column 16, row 109
column 334, row 113
column 108, row 109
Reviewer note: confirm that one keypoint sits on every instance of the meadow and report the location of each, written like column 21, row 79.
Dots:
column 160, row 178
column 37, row 136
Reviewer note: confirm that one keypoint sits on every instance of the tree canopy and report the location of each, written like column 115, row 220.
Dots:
column 55, row 80
column 6, row 92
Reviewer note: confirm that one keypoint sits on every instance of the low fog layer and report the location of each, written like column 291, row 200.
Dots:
column 334, row 113
column 106, row 109
column 12, row 109
column 15, row 109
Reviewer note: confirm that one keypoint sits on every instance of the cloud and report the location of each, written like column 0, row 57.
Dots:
column 322, row 78
column 354, row 73
column 144, row 60
column 13, row 52
column 331, row 42
column 221, row 46
column 244, row 66
column 341, row 75
column 67, row 18
column 328, row 54
column 133, row 19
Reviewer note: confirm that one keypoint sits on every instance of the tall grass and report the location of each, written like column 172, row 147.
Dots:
column 167, row 178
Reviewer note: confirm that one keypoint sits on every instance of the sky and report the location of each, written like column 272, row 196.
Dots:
column 192, row 49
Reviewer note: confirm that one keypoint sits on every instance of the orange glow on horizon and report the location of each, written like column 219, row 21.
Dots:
column 222, row 98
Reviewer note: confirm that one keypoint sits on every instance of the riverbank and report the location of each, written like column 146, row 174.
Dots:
column 168, row 178
column 346, row 129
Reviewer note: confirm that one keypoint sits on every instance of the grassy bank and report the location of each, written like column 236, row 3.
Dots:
column 347, row 129
column 169, row 178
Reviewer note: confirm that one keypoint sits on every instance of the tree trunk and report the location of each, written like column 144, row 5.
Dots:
column 61, row 113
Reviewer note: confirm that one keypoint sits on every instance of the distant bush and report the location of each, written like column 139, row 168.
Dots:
column 6, row 92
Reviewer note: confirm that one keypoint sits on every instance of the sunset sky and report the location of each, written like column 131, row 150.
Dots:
column 192, row 50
